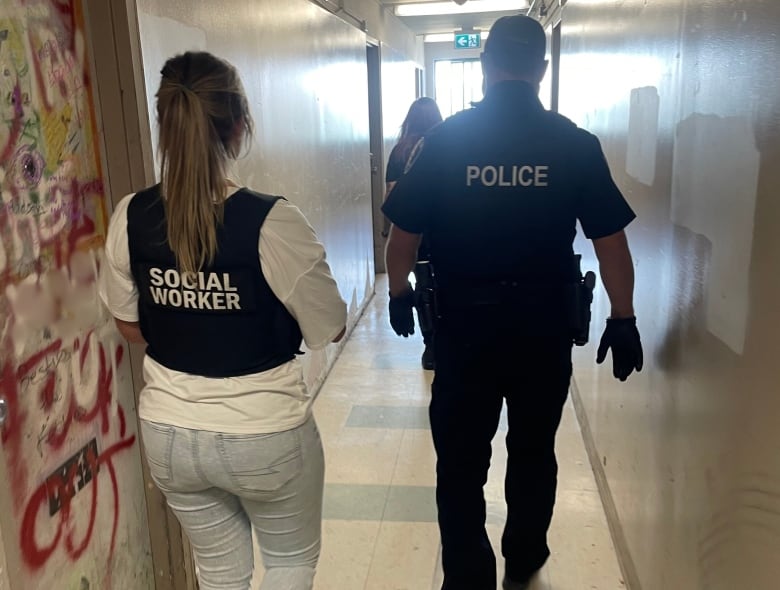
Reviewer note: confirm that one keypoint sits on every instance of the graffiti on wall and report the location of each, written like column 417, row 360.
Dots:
column 61, row 360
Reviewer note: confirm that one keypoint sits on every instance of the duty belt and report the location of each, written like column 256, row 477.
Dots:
column 506, row 292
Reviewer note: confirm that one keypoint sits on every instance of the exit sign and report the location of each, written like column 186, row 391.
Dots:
column 468, row 40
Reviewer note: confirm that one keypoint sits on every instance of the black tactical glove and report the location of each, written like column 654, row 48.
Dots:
column 622, row 337
column 401, row 316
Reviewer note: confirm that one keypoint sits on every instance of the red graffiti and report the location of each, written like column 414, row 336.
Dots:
column 57, row 436
column 65, row 204
column 36, row 556
column 58, row 389
column 12, row 430
column 66, row 8
column 39, row 368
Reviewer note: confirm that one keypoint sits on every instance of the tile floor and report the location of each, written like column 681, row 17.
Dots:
column 380, row 528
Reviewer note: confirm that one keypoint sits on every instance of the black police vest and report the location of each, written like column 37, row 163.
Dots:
column 222, row 321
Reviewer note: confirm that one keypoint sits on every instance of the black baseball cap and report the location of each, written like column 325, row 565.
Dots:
column 516, row 39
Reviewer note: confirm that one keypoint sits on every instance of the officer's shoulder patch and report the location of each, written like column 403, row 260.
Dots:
column 416, row 151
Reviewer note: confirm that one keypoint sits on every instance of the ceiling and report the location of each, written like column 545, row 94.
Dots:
column 422, row 25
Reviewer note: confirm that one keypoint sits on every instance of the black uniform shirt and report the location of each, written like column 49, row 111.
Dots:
column 498, row 189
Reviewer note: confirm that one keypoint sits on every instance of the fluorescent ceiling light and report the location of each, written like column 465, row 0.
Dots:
column 472, row 6
column 448, row 37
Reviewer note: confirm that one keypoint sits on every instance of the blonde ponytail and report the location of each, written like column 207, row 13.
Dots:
column 203, row 118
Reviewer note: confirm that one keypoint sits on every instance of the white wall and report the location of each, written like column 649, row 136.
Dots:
column 304, row 71
column 685, row 99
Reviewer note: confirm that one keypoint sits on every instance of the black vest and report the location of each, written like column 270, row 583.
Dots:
column 223, row 321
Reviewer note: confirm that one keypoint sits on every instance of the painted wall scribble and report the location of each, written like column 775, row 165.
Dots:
column 63, row 369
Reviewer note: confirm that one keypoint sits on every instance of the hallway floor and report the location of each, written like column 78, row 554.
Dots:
column 380, row 529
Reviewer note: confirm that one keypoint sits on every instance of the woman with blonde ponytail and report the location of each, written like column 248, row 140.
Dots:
column 223, row 284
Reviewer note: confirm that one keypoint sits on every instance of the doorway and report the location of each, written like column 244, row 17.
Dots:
column 457, row 83
column 376, row 149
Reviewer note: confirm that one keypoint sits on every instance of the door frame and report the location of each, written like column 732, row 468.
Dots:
column 376, row 147
column 126, row 146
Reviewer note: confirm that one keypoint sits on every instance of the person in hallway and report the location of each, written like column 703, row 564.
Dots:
column 497, row 190
column 222, row 284
column 423, row 115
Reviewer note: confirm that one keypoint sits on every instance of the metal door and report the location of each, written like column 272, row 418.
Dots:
column 72, row 498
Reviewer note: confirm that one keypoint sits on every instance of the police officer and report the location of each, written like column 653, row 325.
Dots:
column 498, row 190
column 422, row 116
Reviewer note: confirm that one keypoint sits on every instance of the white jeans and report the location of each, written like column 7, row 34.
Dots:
column 222, row 486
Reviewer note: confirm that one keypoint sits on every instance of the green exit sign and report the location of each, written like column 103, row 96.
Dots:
column 468, row 40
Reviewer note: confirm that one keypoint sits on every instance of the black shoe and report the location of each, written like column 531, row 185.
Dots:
column 427, row 358
column 508, row 584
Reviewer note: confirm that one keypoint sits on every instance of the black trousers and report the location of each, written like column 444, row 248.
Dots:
column 422, row 256
column 484, row 356
column 427, row 335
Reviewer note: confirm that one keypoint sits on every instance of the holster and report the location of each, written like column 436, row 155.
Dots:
column 580, row 300
column 575, row 299
column 425, row 296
